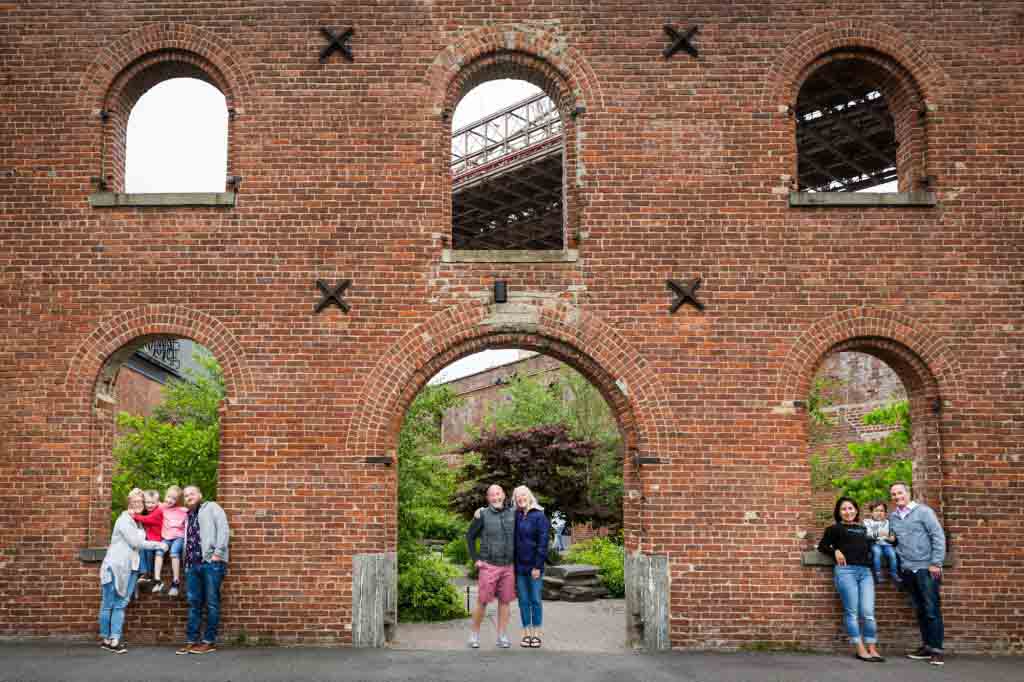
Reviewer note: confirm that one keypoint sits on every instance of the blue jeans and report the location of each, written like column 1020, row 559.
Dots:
column 203, row 586
column 531, row 610
column 175, row 547
column 877, row 550
column 146, row 557
column 112, row 608
column 924, row 595
column 856, row 587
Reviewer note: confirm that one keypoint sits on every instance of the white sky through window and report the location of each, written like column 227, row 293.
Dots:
column 178, row 139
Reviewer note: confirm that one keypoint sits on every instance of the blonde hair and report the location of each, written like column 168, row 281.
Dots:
column 176, row 490
column 135, row 492
column 530, row 499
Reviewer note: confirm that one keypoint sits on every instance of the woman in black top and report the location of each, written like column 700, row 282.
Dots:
column 847, row 541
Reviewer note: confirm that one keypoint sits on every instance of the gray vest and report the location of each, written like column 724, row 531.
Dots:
column 497, row 537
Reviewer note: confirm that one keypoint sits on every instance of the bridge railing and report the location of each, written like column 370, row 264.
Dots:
column 514, row 132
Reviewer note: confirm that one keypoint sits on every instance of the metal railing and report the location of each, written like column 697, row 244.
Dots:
column 514, row 133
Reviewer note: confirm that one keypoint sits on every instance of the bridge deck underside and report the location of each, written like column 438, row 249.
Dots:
column 519, row 207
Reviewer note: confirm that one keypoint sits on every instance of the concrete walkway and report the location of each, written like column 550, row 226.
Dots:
column 87, row 663
column 598, row 626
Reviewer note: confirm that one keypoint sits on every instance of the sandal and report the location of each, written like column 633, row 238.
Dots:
column 535, row 644
column 526, row 642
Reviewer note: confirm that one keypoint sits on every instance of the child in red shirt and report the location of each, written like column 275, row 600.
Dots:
column 153, row 522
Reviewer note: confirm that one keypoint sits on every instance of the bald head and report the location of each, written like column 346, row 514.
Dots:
column 496, row 496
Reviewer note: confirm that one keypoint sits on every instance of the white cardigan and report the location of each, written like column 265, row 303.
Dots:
column 123, row 554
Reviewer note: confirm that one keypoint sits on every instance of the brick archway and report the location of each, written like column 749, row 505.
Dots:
column 534, row 42
column 537, row 55
column 559, row 329
column 99, row 357
column 927, row 368
column 933, row 355
column 118, row 331
column 786, row 75
column 549, row 326
column 576, row 336
column 126, row 69
column 119, row 55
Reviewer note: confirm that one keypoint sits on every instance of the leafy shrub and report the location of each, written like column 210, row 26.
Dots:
column 425, row 592
column 439, row 524
column 456, row 551
column 554, row 556
column 886, row 460
column 609, row 557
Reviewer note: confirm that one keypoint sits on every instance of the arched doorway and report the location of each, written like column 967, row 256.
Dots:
column 558, row 330
column 511, row 418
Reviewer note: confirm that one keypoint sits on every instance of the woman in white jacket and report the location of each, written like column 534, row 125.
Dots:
column 120, row 571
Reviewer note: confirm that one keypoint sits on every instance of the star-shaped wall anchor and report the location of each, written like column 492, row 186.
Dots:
column 685, row 292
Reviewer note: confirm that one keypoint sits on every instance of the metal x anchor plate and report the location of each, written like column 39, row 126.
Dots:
column 332, row 295
column 680, row 41
column 337, row 43
column 685, row 292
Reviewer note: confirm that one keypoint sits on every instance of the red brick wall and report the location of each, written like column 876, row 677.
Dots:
column 679, row 168
column 137, row 393
column 481, row 390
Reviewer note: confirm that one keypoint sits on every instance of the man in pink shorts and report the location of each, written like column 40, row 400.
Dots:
column 495, row 526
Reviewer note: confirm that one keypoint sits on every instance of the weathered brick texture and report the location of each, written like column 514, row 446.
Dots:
column 675, row 168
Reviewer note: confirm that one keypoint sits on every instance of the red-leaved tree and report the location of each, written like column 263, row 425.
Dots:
column 546, row 459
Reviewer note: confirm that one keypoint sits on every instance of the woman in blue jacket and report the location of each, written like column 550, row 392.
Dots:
column 531, row 551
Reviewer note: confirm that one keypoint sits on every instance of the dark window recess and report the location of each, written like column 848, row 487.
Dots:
column 845, row 133
column 507, row 179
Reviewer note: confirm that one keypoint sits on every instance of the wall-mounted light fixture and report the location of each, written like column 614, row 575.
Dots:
column 500, row 291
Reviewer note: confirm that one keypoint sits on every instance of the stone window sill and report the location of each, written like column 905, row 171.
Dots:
column 500, row 256
column 92, row 555
column 815, row 558
column 165, row 199
column 861, row 199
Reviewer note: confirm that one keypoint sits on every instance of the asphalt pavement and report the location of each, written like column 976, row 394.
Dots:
column 80, row 662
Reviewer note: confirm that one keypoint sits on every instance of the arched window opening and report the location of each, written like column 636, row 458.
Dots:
column 163, row 396
column 167, row 122
column 507, row 168
column 859, row 431
column 177, row 139
column 858, row 127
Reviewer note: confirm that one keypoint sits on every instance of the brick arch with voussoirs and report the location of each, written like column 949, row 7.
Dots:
column 559, row 329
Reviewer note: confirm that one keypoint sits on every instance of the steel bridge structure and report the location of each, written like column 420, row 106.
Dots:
column 507, row 179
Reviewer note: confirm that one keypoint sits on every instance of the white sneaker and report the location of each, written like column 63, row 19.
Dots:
column 474, row 640
column 503, row 642
column 173, row 592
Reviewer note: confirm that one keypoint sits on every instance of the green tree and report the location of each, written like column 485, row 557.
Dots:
column 527, row 403
column 571, row 401
column 591, row 419
column 425, row 486
column 179, row 444
column 884, row 459
column 425, row 482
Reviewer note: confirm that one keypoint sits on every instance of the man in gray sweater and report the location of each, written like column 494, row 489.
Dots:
column 206, row 559
column 921, row 545
column 495, row 526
